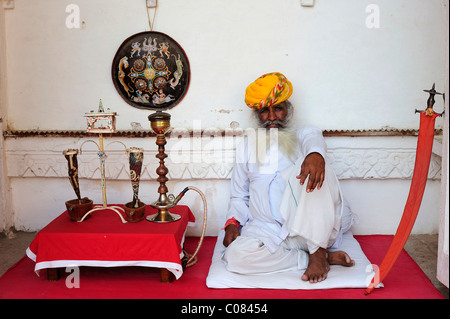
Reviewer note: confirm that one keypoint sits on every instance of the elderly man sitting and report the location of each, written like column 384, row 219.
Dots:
column 285, row 210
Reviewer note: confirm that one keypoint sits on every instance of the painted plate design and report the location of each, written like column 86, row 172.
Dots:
column 151, row 71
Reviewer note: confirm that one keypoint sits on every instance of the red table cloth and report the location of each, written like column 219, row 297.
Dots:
column 102, row 240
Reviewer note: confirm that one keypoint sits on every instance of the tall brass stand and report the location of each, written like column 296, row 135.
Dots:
column 160, row 124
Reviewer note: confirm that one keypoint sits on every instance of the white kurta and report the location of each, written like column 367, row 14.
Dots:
column 256, row 195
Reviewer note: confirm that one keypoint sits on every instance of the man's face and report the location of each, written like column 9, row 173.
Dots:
column 273, row 116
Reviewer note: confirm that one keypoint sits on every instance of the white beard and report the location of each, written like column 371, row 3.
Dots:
column 285, row 139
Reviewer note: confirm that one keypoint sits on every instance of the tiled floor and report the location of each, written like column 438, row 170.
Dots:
column 422, row 248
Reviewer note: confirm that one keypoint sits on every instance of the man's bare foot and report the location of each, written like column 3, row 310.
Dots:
column 320, row 261
column 318, row 266
column 340, row 258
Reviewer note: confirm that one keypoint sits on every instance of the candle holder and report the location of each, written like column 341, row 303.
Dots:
column 160, row 124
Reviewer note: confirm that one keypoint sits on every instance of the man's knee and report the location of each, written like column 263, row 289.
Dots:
column 239, row 254
column 231, row 255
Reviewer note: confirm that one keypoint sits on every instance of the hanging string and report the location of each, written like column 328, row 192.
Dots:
column 151, row 22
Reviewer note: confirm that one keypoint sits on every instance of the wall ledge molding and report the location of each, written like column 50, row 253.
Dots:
column 383, row 158
column 217, row 132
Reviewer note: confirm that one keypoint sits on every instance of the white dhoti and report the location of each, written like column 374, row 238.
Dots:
column 248, row 255
column 312, row 219
column 315, row 216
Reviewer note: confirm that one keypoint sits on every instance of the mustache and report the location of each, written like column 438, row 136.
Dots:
column 280, row 123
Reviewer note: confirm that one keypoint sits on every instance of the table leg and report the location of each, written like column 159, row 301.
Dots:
column 53, row 274
column 166, row 276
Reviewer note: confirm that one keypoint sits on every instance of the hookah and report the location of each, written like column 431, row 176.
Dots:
column 160, row 124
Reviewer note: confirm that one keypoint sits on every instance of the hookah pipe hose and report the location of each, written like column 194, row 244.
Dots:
column 192, row 260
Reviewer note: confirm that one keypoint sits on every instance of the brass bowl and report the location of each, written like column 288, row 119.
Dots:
column 159, row 122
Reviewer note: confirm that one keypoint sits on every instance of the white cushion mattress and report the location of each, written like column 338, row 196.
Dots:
column 358, row 276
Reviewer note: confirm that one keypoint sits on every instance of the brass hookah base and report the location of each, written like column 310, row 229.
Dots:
column 163, row 215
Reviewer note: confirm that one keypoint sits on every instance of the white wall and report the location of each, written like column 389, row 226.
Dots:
column 346, row 76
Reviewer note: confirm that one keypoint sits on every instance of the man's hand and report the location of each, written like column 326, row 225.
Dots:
column 314, row 166
column 231, row 233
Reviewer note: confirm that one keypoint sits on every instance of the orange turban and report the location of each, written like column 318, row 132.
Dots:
column 267, row 90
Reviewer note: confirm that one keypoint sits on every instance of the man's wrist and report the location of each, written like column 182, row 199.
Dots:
column 232, row 221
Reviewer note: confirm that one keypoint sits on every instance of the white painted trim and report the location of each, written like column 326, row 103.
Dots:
column 386, row 158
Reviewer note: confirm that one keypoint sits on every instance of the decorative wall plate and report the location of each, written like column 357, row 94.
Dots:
column 151, row 71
